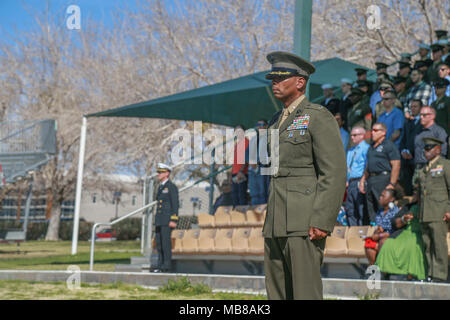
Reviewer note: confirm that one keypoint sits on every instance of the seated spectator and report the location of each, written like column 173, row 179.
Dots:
column 384, row 227
column 403, row 252
column 225, row 198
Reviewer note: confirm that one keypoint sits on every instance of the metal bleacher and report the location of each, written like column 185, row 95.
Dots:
column 25, row 146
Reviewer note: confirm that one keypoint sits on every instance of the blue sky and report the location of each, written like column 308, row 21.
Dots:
column 19, row 14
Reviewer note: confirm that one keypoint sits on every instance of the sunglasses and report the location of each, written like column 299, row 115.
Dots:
column 425, row 114
column 428, row 147
column 376, row 130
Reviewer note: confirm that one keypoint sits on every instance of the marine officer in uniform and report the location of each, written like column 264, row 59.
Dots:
column 307, row 187
column 434, row 191
column 166, row 217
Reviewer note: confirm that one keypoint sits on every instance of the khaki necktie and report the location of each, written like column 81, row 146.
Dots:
column 284, row 117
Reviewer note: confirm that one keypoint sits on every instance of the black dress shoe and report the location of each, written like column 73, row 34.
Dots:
column 156, row 271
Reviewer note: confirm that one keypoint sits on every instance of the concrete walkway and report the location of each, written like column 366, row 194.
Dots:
column 333, row 288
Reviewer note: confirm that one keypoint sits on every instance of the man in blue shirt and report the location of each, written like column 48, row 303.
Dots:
column 393, row 118
column 356, row 163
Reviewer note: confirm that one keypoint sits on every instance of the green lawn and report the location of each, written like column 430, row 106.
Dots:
column 56, row 255
column 32, row 290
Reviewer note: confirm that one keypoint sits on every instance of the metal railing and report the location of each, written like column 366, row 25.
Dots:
column 151, row 204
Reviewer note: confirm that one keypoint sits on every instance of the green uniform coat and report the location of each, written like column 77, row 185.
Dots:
column 306, row 191
column 434, row 187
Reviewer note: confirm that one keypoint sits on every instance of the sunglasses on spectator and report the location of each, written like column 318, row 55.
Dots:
column 377, row 129
column 428, row 147
column 424, row 114
column 356, row 134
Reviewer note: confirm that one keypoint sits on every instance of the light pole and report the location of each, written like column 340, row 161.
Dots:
column 117, row 196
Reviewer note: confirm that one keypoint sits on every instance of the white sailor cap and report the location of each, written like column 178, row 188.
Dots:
column 424, row 46
column 327, row 86
column 162, row 167
column 347, row 80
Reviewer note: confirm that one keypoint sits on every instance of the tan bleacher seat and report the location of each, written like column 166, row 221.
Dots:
column 222, row 241
column 206, row 240
column 223, row 209
column 256, row 245
column 355, row 242
column 335, row 246
column 205, row 220
column 239, row 240
column 222, row 219
column 357, row 231
column 355, row 247
column 261, row 208
column 176, row 237
column 256, row 232
column 339, row 231
column 254, row 219
column 237, row 219
column 189, row 243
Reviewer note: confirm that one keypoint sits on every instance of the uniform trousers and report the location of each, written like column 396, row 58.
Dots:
column 292, row 268
column 375, row 186
column 434, row 235
column 164, row 247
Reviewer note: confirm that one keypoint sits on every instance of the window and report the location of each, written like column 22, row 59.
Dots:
column 133, row 201
column 94, row 198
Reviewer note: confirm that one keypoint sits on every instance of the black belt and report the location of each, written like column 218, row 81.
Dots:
column 353, row 179
column 385, row 173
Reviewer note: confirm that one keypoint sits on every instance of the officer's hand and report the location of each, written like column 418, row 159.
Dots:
column 361, row 187
column 172, row 224
column 447, row 217
column 316, row 233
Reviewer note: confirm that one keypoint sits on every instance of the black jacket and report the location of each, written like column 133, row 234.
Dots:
column 167, row 204
column 410, row 131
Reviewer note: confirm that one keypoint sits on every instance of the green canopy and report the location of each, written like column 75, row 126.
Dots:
column 244, row 100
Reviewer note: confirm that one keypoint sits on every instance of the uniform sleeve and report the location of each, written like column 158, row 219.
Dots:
column 393, row 152
column 447, row 181
column 442, row 135
column 174, row 204
column 331, row 169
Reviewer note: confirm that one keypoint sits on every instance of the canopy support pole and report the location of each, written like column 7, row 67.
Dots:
column 302, row 31
column 76, row 217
